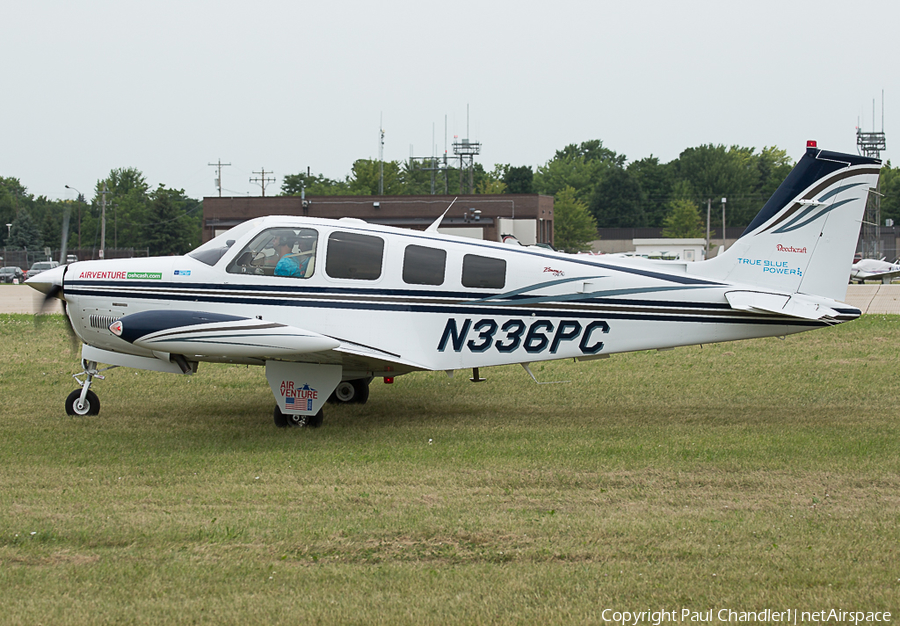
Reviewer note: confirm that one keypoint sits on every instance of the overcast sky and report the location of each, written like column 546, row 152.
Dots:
column 169, row 87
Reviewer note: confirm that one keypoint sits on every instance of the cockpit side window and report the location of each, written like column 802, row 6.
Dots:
column 287, row 252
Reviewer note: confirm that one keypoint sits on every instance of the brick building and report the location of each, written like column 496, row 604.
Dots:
column 529, row 217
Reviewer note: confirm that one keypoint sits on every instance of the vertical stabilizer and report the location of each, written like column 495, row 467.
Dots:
column 803, row 239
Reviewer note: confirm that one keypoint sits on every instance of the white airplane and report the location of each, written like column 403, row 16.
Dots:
column 363, row 301
column 874, row 269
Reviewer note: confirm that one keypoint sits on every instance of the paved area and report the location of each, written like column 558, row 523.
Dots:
column 867, row 298
column 24, row 299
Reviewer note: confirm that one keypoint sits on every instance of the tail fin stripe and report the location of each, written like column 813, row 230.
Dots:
column 773, row 207
column 792, row 225
column 835, row 192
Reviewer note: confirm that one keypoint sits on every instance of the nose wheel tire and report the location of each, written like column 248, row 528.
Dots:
column 283, row 420
column 90, row 406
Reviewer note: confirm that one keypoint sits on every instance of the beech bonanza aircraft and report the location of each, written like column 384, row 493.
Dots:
column 327, row 305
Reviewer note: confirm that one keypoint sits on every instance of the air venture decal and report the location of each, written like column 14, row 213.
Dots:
column 773, row 267
column 298, row 399
column 182, row 272
column 122, row 275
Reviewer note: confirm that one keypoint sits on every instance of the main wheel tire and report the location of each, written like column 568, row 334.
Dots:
column 74, row 406
column 343, row 393
column 362, row 390
column 281, row 419
column 350, row 392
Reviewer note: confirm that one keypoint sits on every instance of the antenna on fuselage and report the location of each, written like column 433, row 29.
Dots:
column 434, row 225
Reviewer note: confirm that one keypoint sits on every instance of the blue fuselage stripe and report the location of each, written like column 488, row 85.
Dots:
column 462, row 308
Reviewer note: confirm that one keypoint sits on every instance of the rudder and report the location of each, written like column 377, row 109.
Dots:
column 803, row 239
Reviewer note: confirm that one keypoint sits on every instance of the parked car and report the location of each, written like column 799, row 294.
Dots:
column 7, row 274
column 40, row 266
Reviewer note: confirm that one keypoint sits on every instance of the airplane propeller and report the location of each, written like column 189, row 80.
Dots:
column 54, row 291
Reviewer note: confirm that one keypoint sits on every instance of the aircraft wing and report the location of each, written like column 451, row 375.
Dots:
column 217, row 335
column 864, row 275
column 194, row 333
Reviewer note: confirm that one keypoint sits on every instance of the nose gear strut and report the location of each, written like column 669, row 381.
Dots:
column 84, row 401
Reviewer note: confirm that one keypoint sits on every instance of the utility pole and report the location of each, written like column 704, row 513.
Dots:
column 723, row 223
column 708, row 211
column 262, row 180
column 103, row 220
column 381, row 159
column 220, row 165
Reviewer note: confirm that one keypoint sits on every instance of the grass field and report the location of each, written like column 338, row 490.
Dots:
column 744, row 476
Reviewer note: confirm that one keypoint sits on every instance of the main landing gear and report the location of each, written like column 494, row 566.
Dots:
column 351, row 392
column 347, row 392
column 84, row 401
column 283, row 420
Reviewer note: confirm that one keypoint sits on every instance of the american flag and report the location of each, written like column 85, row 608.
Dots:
column 297, row 405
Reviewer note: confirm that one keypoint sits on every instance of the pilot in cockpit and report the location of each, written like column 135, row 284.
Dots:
column 290, row 263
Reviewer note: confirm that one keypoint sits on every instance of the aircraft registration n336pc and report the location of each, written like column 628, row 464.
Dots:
column 327, row 305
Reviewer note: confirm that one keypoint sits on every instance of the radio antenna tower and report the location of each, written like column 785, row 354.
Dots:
column 871, row 144
column 467, row 151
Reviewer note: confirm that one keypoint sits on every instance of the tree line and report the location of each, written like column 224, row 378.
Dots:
column 162, row 220
column 593, row 187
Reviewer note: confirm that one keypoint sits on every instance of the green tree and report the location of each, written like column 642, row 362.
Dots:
column 314, row 185
column 683, row 220
column 365, row 175
column 13, row 197
column 715, row 172
column 772, row 165
column 519, row 179
column 127, row 211
column 574, row 227
column 24, row 233
column 581, row 167
column 492, row 182
column 174, row 227
column 618, row 200
column 889, row 185
column 656, row 181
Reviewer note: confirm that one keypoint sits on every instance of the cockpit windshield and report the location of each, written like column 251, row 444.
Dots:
column 214, row 249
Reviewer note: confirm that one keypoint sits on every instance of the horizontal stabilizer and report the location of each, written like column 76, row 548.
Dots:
column 792, row 305
column 211, row 334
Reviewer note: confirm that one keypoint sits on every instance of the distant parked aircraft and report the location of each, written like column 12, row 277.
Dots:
column 874, row 269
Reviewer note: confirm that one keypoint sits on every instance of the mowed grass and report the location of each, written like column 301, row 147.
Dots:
column 748, row 475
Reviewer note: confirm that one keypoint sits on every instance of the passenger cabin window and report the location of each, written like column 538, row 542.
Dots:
column 287, row 252
column 351, row 255
column 424, row 266
column 483, row 272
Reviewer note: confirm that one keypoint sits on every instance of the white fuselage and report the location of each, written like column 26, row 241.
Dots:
column 549, row 305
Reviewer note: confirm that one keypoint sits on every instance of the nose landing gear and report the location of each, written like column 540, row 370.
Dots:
column 84, row 401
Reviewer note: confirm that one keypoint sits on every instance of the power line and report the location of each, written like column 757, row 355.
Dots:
column 262, row 180
column 220, row 165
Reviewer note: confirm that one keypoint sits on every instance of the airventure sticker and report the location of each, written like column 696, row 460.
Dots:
column 119, row 275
